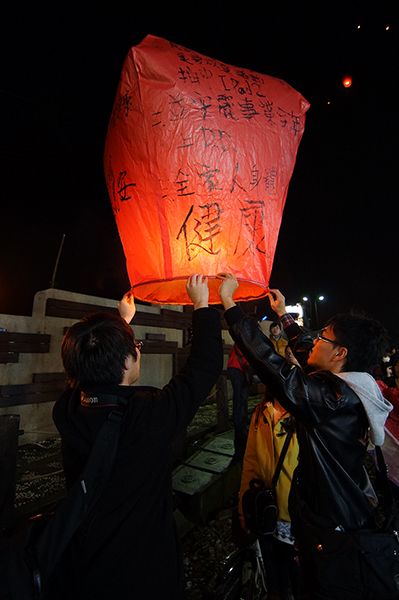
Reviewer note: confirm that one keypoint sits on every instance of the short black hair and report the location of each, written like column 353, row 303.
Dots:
column 276, row 324
column 95, row 349
column 365, row 338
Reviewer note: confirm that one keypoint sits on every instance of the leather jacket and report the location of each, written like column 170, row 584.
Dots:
column 330, row 488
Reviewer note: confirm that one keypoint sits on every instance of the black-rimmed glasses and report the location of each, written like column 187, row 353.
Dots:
column 319, row 336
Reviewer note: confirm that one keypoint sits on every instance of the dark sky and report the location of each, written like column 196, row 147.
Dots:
column 60, row 70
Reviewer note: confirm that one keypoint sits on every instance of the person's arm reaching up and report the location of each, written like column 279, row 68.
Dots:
column 127, row 307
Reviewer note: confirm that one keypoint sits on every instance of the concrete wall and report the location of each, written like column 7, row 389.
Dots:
column 36, row 420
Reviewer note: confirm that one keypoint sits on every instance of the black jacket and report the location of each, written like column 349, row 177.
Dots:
column 129, row 548
column 329, row 485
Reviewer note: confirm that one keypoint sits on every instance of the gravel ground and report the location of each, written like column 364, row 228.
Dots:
column 205, row 550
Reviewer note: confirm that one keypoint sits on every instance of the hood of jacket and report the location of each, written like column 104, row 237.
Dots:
column 376, row 406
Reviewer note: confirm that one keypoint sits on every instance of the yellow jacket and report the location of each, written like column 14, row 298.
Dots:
column 264, row 445
column 279, row 345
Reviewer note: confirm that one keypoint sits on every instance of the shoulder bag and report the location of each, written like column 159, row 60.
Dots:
column 259, row 503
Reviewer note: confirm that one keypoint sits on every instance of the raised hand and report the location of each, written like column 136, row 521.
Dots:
column 127, row 306
column 277, row 302
column 227, row 288
column 198, row 290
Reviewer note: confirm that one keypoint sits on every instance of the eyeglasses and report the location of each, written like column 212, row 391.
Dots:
column 319, row 336
column 138, row 345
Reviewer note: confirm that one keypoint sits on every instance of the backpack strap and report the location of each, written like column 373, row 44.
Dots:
column 99, row 400
column 289, row 425
column 82, row 496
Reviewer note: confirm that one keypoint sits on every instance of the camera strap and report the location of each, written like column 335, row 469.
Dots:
column 290, row 430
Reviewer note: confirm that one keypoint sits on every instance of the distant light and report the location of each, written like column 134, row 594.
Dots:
column 264, row 318
column 295, row 308
column 319, row 298
column 347, row 81
column 328, row 101
column 358, row 27
column 387, row 27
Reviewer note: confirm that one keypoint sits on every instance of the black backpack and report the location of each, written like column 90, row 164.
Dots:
column 30, row 554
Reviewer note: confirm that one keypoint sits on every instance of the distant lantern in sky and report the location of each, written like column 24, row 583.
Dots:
column 346, row 81
column 198, row 158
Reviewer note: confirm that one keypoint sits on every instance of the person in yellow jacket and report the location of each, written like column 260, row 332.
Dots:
column 267, row 433
column 278, row 338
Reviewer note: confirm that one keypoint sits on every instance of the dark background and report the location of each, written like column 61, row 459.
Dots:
column 60, row 70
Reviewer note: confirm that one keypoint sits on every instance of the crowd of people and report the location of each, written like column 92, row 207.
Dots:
column 322, row 389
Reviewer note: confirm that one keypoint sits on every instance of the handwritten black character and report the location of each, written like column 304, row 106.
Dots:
column 184, row 58
column 197, row 58
column 208, row 136
column 235, row 181
column 126, row 103
column 181, row 182
column 252, row 217
column 271, row 181
column 209, row 176
column 255, row 177
column 268, row 110
column 256, row 84
column 123, row 187
column 156, row 118
column 204, row 105
column 223, row 67
column 214, row 138
column 111, row 186
column 288, row 118
column 242, row 74
column 187, row 141
column 225, row 106
column 248, row 109
column 122, row 108
column 205, row 73
column 200, row 235
column 187, row 75
column 230, row 83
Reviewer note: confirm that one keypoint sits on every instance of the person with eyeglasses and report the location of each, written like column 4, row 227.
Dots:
column 338, row 409
column 129, row 547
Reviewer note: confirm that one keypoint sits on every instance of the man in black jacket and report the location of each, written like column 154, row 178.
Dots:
column 129, row 546
column 338, row 407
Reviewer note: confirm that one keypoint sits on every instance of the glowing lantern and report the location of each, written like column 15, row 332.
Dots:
column 347, row 81
column 198, row 159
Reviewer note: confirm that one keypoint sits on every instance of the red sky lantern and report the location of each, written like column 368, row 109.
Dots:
column 198, row 158
column 347, row 81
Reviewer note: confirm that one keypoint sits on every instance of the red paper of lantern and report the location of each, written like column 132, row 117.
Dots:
column 198, row 159
column 347, row 81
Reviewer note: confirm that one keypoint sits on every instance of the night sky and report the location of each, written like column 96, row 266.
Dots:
column 59, row 75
